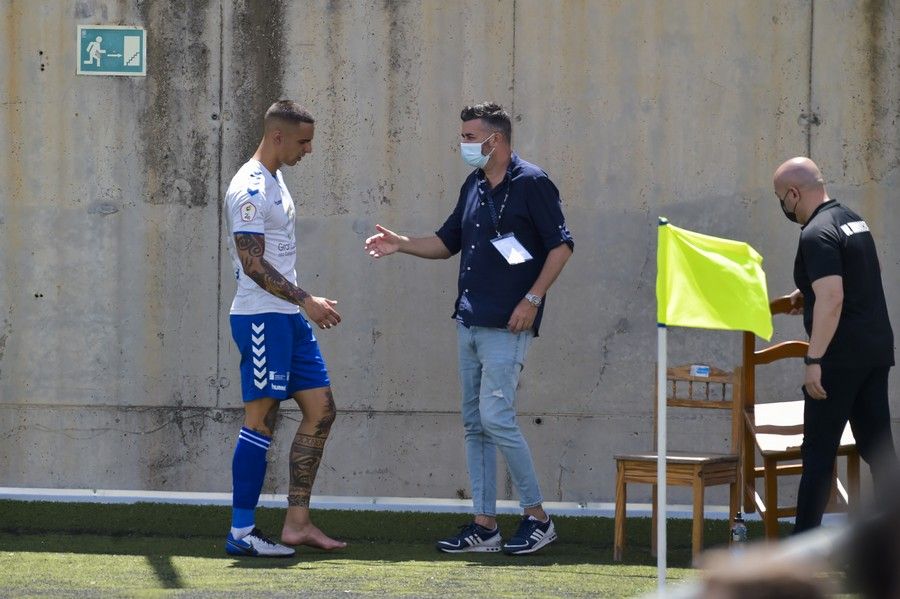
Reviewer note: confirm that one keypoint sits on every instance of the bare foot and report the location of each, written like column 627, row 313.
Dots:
column 309, row 534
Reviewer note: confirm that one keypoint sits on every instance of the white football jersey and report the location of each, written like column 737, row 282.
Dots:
column 258, row 203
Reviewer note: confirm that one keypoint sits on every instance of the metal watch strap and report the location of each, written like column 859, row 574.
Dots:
column 534, row 300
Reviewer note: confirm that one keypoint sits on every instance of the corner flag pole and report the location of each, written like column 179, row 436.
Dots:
column 661, row 366
column 701, row 282
column 661, row 459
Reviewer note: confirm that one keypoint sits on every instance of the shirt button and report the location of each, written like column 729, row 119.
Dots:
column 466, row 291
column 477, row 224
column 482, row 203
column 473, row 247
column 468, row 268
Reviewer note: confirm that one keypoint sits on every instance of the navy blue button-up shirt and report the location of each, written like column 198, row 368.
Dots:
column 489, row 287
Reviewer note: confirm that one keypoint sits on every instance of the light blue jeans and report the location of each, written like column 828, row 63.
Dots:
column 490, row 361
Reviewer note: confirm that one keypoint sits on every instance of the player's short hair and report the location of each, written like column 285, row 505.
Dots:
column 492, row 114
column 288, row 111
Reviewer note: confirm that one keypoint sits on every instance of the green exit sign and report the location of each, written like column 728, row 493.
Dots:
column 112, row 50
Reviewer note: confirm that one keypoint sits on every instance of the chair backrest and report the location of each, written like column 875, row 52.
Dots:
column 752, row 357
column 705, row 388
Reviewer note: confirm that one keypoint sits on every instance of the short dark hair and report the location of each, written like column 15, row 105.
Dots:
column 288, row 110
column 492, row 114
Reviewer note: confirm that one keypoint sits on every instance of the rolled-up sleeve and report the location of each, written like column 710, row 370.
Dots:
column 451, row 231
column 545, row 207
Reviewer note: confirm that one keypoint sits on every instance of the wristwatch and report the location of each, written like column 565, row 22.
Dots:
column 807, row 360
column 534, row 300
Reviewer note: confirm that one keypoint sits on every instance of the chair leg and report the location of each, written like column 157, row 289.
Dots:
column 770, row 518
column 853, row 481
column 653, row 520
column 835, row 499
column 734, row 502
column 619, row 542
column 748, row 464
column 697, row 527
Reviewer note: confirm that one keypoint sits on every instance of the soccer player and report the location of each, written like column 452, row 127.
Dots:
column 280, row 357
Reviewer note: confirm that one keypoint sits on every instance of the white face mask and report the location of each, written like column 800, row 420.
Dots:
column 471, row 153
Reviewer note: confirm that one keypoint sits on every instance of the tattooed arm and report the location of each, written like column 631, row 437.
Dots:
column 251, row 249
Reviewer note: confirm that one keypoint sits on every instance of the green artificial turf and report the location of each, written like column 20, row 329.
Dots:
column 148, row 550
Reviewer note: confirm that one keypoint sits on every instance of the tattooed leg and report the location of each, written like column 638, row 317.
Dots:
column 326, row 418
column 319, row 413
column 306, row 452
column 306, row 455
column 271, row 418
column 260, row 415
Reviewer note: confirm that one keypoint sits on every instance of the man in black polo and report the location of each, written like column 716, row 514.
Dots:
column 851, row 345
column 509, row 230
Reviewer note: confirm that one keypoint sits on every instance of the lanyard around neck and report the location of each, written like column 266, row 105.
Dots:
column 495, row 216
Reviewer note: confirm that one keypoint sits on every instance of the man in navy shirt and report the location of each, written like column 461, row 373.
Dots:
column 509, row 230
column 851, row 344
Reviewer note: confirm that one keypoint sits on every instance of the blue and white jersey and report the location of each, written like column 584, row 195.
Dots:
column 258, row 203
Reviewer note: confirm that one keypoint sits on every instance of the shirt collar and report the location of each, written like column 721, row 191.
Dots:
column 514, row 160
column 266, row 173
column 823, row 206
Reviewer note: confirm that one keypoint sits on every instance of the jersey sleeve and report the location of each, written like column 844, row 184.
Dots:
column 545, row 208
column 248, row 211
column 822, row 253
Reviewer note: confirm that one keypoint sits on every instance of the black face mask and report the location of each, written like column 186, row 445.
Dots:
column 791, row 216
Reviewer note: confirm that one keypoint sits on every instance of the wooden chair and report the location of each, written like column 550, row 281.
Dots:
column 775, row 431
column 720, row 390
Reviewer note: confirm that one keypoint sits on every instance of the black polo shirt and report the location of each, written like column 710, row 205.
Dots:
column 489, row 287
column 836, row 241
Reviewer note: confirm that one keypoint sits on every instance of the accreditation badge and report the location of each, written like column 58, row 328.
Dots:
column 510, row 248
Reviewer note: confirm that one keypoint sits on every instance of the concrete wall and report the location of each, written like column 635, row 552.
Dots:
column 116, row 364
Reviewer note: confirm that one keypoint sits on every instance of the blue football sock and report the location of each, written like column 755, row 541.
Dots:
column 248, row 470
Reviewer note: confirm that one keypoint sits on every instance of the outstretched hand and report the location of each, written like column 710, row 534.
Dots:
column 321, row 311
column 383, row 243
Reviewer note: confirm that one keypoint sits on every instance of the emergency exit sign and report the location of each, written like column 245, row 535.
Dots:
column 112, row 50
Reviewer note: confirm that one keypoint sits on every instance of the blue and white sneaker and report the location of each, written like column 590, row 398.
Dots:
column 472, row 537
column 256, row 544
column 531, row 535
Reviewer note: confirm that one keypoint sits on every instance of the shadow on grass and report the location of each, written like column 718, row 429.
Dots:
column 160, row 532
column 165, row 571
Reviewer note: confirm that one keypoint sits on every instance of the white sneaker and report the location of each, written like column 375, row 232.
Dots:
column 256, row 544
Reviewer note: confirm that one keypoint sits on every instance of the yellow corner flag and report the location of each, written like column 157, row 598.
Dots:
column 710, row 283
